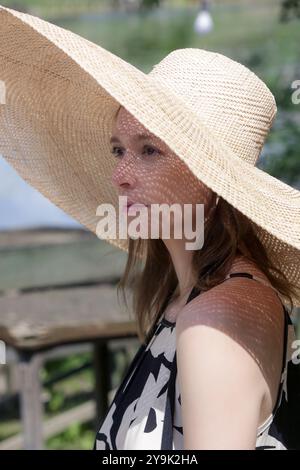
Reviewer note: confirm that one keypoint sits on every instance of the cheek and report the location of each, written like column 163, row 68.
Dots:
column 171, row 181
column 183, row 186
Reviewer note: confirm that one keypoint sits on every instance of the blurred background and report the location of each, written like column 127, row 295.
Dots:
column 46, row 257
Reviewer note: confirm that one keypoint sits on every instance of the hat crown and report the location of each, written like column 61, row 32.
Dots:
column 228, row 97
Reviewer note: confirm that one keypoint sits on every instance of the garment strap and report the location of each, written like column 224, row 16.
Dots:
column 250, row 276
column 167, row 433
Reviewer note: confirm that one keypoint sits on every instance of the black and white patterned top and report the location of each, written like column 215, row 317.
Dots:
column 145, row 412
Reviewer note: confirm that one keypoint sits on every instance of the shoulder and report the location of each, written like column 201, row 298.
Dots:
column 243, row 308
column 233, row 337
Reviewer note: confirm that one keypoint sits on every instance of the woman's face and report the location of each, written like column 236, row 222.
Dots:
column 148, row 172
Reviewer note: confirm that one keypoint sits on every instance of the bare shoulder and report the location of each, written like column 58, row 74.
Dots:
column 239, row 301
column 249, row 316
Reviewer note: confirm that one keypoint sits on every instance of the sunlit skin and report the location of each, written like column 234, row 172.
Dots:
column 228, row 316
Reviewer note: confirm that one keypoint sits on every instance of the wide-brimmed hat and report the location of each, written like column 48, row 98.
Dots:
column 61, row 94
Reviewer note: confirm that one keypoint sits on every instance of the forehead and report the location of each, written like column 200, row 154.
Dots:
column 126, row 123
column 128, row 128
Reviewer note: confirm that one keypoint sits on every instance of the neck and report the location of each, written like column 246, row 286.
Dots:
column 182, row 261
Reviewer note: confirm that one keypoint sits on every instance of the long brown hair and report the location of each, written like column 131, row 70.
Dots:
column 154, row 279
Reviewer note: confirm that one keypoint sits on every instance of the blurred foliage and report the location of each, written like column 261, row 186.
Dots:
column 289, row 9
column 67, row 392
column 149, row 3
column 54, row 7
column 282, row 152
column 62, row 365
column 78, row 436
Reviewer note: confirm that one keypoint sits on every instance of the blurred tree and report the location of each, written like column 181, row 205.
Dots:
column 282, row 157
column 149, row 4
column 289, row 9
column 19, row 6
column 134, row 5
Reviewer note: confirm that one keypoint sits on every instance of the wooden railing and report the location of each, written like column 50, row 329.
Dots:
column 58, row 289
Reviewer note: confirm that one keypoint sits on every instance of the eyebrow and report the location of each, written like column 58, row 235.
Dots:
column 138, row 137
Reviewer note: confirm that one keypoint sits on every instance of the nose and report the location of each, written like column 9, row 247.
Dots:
column 123, row 175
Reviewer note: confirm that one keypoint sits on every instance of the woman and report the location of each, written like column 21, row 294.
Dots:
column 238, row 380
column 216, row 368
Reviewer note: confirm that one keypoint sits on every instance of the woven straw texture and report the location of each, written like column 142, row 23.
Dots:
column 62, row 94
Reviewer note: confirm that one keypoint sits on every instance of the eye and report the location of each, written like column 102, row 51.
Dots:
column 114, row 149
column 151, row 148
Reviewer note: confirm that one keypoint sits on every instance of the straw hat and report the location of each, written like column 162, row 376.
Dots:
column 61, row 96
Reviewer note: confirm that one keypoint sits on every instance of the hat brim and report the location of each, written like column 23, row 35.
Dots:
column 61, row 95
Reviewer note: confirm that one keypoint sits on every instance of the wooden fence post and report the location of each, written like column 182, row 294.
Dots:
column 31, row 400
